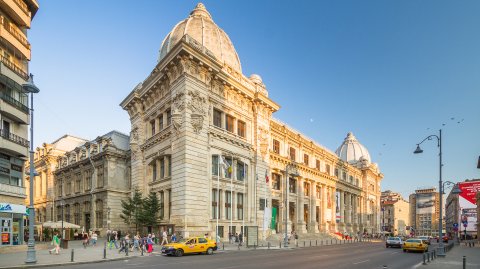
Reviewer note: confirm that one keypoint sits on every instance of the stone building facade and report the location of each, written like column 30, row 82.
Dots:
column 395, row 213
column 46, row 162
column 91, row 180
column 204, row 139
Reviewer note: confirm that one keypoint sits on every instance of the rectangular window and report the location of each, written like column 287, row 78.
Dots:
column 292, row 154
column 241, row 171
column 162, row 168
column 228, row 205
column 88, row 180
column 263, row 204
column 276, row 146
column 276, row 181
column 350, row 179
column 169, row 117
column 336, row 172
column 241, row 129
column 100, row 177
column 240, row 206
column 152, row 127
column 292, row 185
column 161, row 201
column 154, row 170
column 344, row 175
column 317, row 164
column 215, row 165
column 305, row 159
column 168, row 159
column 306, row 188
column 214, row 204
column 217, row 118
column 228, row 169
column 327, row 169
column 77, row 184
column 319, row 192
column 229, row 122
column 160, row 122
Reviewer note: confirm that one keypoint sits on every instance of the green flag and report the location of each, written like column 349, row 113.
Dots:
column 274, row 218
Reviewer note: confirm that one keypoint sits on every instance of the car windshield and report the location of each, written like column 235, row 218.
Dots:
column 394, row 238
column 414, row 241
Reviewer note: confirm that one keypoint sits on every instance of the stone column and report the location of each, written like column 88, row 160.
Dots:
column 166, row 206
column 323, row 208
column 333, row 223
column 300, row 227
column 313, row 227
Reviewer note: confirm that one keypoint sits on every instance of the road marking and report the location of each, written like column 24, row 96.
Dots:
column 361, row 262
column 393, row 253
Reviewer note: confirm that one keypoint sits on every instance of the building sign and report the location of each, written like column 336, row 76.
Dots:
column 252, row 236
column 425, row 203
column 6, row 238
column 468, row 207
column 12, row 208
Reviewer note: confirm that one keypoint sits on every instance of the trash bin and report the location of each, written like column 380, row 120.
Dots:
column 64, row 244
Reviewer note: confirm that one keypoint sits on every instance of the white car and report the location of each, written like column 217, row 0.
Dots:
column 394, row 242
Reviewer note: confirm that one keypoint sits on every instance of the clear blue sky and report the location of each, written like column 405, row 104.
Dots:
column 392, row 72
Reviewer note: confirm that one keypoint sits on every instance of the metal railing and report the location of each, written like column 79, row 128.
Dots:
column 9, row 99
column 14, row 138
column 15, row 68
column 22, row 6
column 11, row 28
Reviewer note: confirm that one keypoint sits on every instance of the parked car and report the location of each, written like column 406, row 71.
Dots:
column 415, row 244
column 190, row 245
column 393, row 242
column 425, row 239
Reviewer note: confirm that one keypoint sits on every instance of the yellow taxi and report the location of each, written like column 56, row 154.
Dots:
column 415, row 244
column 190, row 245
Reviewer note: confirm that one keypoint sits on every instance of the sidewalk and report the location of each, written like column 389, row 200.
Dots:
column 81, row 255
column 454, row 258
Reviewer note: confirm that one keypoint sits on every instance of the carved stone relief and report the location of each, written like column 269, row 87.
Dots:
column 196, row 104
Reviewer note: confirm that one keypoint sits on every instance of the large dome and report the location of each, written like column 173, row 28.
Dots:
column 352, row 151
column 200, row 26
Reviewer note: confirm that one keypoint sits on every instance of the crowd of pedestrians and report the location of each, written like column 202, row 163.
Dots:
column 138, row 242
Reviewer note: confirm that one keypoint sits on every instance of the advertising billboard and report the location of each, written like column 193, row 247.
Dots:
column 468, row 206
column 425, row 203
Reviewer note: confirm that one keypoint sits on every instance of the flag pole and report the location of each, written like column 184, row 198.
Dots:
column 265, row 208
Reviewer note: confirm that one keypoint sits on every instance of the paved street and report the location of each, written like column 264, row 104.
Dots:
column 361, row 255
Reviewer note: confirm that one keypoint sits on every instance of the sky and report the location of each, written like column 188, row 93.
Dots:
column 391, row 72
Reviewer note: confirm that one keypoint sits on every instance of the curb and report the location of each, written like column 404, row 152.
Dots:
column 68, row 263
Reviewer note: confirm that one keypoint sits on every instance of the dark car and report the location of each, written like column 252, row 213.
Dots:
column 394, row 242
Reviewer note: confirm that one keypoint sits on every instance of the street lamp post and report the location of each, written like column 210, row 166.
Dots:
column 294, row 172
column 440, row 251
column 30, row 87
column 108, row 218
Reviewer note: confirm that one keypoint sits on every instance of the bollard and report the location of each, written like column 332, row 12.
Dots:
column 238, row 246
column 310, row 242
column 316, row 242
column 105, row 251
column 303, row 243
column 464, row 262
column 280, row 245
column 71, row 258
column 384, row 267
column 331, row 241
column 223, row 246
column 141, row 250
column 297, row 244
column 254, row 246
column 268, row 245
column 424, row 263
column 126, row 250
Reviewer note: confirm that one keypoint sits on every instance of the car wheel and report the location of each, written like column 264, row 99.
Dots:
column 178, row 253
column 209, row 251
column 404, row 250
column 386, row 246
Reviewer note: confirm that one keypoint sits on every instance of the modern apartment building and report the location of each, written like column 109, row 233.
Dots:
column 424, row 210
column 15, row 20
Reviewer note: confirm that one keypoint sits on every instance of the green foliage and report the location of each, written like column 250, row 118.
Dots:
column 132, row 209
column 151, row 205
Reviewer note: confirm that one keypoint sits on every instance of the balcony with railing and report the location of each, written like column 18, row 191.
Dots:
column 14, row 36
column 18, row 11
column 13, row 137
column 15, row 68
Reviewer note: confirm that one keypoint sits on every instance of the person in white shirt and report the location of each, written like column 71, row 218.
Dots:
column 164, row 237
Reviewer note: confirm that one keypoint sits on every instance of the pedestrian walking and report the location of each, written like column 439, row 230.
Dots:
column 56, row 244
column 164, row 237
column 149, row 244
column 115, row 239
column 174, row 238
column 94, row 239
column 123, row 245
column 136, row 242
column 85, row 240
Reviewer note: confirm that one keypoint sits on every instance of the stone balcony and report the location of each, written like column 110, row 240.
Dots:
column 11, row 190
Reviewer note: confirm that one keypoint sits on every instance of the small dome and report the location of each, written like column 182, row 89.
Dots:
column 200, row 26
column 256, row 79
column 352, row 151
